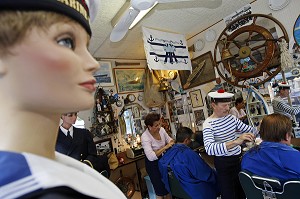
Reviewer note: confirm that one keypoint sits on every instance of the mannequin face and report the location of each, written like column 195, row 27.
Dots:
column 50, row 70
column 69, row 118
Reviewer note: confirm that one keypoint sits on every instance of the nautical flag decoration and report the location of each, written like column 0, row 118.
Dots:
column 166, row 51
column 245, row 10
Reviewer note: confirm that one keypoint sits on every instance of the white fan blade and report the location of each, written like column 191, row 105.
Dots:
column 121, row 28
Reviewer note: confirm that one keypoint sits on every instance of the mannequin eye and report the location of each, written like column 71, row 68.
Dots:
column 67, row 42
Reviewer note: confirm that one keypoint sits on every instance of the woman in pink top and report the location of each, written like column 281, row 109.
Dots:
column 155, row 142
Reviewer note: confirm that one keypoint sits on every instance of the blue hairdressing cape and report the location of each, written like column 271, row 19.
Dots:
column 194, row 174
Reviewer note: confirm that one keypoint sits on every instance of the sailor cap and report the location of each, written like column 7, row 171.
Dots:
column 79, row 10
column 283, row 85
column 220, row 96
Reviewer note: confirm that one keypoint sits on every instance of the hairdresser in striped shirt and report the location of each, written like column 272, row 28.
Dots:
column 223, row 134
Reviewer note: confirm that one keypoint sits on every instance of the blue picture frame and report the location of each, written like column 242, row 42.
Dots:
column 296, row 31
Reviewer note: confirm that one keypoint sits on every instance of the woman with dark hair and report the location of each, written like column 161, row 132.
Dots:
column 155, row 142
column 274, row 157
column 238, row 109
column 45, row 70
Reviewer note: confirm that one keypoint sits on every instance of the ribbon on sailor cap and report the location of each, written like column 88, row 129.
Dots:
column 81, row 11
column 220, row 96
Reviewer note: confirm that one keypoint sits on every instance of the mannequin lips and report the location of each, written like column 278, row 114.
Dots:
column 90, row 85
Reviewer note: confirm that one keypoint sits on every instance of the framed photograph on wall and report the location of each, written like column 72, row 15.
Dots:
column 199, row 117
column 196, row 98
column 104, row 75
column 129, row 80
column 104, row 146
column 201, row 73
column 136, row 112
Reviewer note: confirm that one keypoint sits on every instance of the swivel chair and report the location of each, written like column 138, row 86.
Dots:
column 175, row 187
column 257, row 187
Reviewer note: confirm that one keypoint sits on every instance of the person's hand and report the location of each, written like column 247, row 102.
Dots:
column 170, row 144
column 245, row 137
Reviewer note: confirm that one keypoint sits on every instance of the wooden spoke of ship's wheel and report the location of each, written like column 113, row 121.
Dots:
column 258, row 47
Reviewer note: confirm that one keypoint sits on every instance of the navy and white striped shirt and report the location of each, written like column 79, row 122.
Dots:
column 218, row 131
column 281, row 107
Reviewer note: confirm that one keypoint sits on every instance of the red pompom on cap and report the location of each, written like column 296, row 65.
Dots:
column 221, row 91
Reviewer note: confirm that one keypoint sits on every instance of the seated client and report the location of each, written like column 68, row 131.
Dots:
column 194, row 174
column 274, row 157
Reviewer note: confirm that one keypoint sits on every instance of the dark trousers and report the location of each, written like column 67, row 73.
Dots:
column 155, row 177
column 228, row 169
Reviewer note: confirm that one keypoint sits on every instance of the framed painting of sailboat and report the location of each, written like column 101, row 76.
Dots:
column 104, row 75
column 129, row 80
column 203, row 72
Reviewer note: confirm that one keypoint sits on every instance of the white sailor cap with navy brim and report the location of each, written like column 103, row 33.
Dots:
column 283, row 85
column 220, row 96
column 82, row 11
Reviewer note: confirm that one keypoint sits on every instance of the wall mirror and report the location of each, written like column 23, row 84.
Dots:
column 132, row 121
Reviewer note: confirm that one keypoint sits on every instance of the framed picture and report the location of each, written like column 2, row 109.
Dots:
column 129, row 80
column 196, row 98
column 202, row 74
column 104, row 75
column 136, row 112
column 199, row 117
column 104, row 146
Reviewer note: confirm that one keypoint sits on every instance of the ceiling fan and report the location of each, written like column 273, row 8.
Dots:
column 136, row 6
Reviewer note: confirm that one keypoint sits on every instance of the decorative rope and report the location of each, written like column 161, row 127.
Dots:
column 285, row 58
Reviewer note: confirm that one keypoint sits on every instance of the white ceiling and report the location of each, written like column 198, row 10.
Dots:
column 189, row 20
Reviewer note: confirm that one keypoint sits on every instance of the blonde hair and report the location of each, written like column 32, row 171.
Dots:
column 16, row 24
